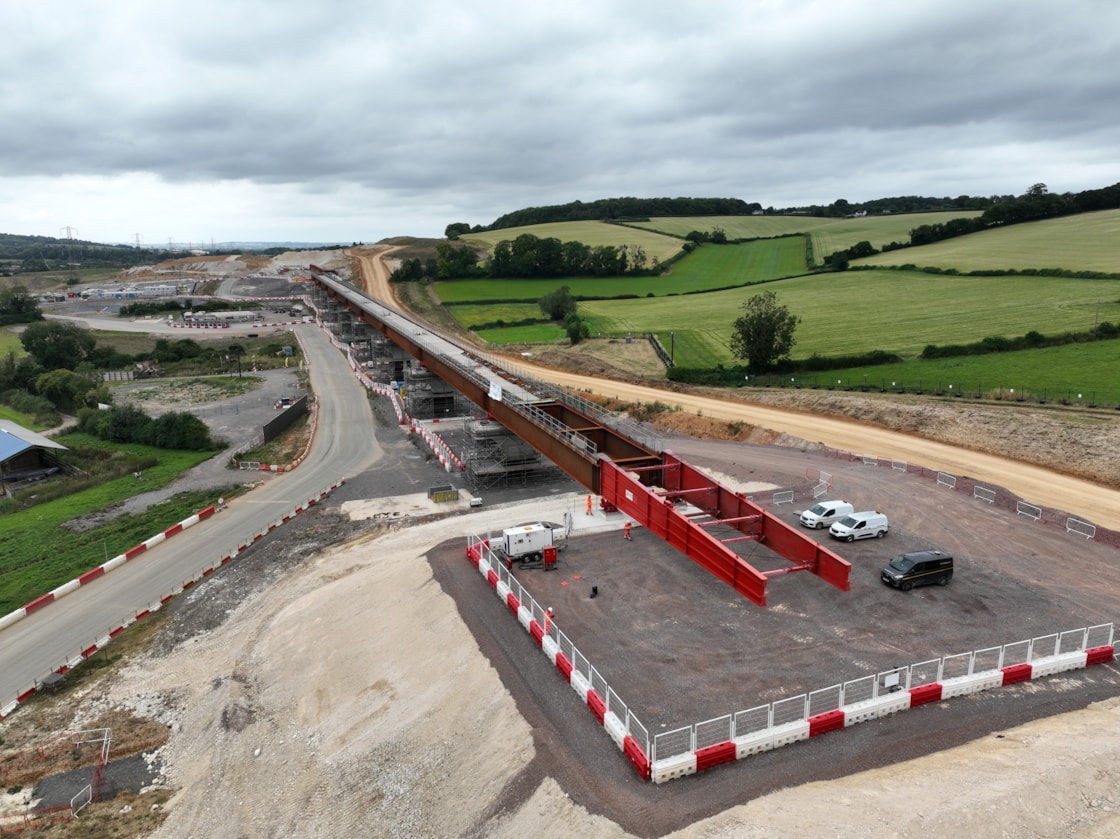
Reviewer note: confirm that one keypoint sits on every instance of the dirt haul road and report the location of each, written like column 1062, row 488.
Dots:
column 1038, row 486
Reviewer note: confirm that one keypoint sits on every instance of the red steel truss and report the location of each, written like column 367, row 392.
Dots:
column 647, row 495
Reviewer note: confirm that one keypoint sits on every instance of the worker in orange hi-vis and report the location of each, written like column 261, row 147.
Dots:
column 626, row 531
column 589, row 505
column 547, row 620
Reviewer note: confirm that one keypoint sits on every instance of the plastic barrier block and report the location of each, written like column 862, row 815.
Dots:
column 100, row 569
column 790, row 732
column 710, row 756
column 879, row 706
column 973, row 683
column 537, row 631
column 924, row 694
column 564, row 665
column 826, row 722
column 39, row 602
column 1051, row 664
column 525, row 618
column 492, row 579
column 597, row 705
column 580, row 685
column 673, row 767
column 637, row 757
column 754, row 743
column 132, row 553
column 502, row 587
column 513, row 603
column 615, row 727
column 65, row 589
column 1016, row 673
column 171, row 531
column 550, row 647
column 1099, row 655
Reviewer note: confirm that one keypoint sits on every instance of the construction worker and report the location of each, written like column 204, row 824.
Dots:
column 589, row 505
column 626, row 531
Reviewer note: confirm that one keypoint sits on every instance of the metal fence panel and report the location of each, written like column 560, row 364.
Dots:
column 858, row 690
column 638, row 731
column 824, row 700
column 615, row 704
column 1098, row 636
column 925, row 672
column 985, row 660
column 1071, row 641
column 956, row 665
column 752, row 720
column 1044, row 645
column 672, row 743
column 711, row 732
column 598, row 683
column 790, row 710
column 1017, row 653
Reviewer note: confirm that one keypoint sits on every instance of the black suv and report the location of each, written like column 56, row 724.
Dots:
column 918, row 568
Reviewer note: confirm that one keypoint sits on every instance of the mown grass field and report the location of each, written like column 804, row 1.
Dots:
column 591, row 233
column 709, row 267
column 1084, row 242
column 9, row 342
column 32, row 563
column 858, row 311
column 18, row 418
column 1084, row 374
column 829, row 235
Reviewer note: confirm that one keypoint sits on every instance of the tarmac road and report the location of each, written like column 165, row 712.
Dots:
column 45, row 640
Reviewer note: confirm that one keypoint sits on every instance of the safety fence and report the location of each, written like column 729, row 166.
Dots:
column 694, row 748
column 995, row 496
column 623, row 727
column 447, row 458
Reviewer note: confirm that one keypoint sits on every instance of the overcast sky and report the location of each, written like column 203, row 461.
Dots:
column 354, row 120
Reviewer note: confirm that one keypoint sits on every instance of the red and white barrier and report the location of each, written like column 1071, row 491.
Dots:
column 93, row 574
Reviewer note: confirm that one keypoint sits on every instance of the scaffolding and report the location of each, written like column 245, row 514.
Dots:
column 494, row 457
column 427, row 396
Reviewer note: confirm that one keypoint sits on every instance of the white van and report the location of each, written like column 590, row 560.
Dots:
column 860, row 526
column 825, row 513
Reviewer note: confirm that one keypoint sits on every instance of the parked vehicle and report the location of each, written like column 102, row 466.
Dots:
column 918, row 568
column 825, row 513
column 860, row 526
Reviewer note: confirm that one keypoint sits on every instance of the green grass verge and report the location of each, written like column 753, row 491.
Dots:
column 11, row 415
column 9, row 342
column 38, row 554
column 1076, row 373
column 541, row 333
column 1084, row 242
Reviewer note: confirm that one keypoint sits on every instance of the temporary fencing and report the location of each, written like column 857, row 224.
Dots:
column 693, row 748
column 996, row 496
column 623, row 727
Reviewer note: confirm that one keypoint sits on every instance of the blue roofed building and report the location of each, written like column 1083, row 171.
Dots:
column 25, row 455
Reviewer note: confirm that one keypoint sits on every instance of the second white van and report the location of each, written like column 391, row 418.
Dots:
column 860, row 526
column 825, row 513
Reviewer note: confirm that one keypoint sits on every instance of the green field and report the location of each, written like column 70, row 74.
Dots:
column 708, row 267
column 591, row 233
column 9, row 342
column 543, row 333
column 829, row 234
column 1084, row 242
column 1076, row 373
column 37, row 554
column 858, row 311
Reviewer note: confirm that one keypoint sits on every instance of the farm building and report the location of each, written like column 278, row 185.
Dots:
column 25, row 455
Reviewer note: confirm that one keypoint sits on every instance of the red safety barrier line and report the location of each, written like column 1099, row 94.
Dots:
column 1017, row 673
column 23, row 697
column 492, row 579
column 132, row 553
column 564, row 665
column 88, row 651
column 715, row 755
column 171, row 531
column 925, row 694
column 89, row 576
column 513, row 603
column 537, row 632
column 826, row 722
column 143, row 614
column 597, row 705
column 1099, row 655
column 39, row 602
column 637, row 757
column 115, row 632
